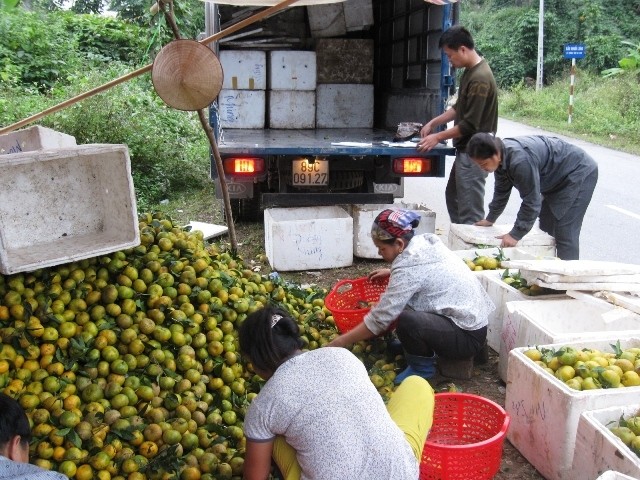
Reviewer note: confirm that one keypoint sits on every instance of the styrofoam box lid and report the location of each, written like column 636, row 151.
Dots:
column 279, row 215
column 611, row 475
column 477, row 235
column 570, row 316
column 576, row 267
column 603, row 344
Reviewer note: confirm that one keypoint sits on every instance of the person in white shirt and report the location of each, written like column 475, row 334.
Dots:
column 15, row 435
column 320, row 417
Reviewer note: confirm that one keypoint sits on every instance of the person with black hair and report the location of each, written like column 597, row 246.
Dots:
column 15, row 435
column 475, row 110
column 555, row 180
column 439, row 307
column 318, row 416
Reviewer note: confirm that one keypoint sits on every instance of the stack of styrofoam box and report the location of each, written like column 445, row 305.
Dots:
column 611, row 475
column 308, row 238
column 545, row 412
column 34, row 138
column 65, row 204
column 598, row 449
column 242, row 100
column 292, row 85
column 500, row 293
column 336, row 19
column 364, row 215
column 345, row 83
column 531, row 323
column 464, row 237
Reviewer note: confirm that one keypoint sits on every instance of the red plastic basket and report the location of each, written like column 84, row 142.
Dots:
column 465, row 440
column 345, row 299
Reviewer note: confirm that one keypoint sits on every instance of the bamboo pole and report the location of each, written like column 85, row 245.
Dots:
column 227, row 31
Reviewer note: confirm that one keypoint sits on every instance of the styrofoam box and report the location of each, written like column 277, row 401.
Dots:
column 242, row 108
column 34, row 138
column 344, row 106
column 501, row 293
column 326, row 20
column 364, row 215
column 598, row 450
column 611, row 475
column 464, row 237
column 308, row 238
column 62, row 205
column 530, row 323
column 292, row 109
column 545, row 412
column 244, row 69
column 292, row 70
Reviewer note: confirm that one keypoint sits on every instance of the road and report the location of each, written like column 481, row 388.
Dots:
column 611, row 228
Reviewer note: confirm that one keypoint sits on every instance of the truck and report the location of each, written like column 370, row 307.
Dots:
column 382, row 60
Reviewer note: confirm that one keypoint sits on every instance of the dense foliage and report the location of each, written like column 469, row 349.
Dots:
column 506, row 33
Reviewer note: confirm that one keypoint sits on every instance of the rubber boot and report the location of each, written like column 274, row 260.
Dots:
column 424, row 367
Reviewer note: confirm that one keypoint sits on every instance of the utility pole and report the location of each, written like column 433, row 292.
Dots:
column 540, row 45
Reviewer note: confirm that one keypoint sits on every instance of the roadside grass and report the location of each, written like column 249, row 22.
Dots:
column 605, row 111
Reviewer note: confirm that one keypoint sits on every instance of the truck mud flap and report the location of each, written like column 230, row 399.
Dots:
column 323, row 199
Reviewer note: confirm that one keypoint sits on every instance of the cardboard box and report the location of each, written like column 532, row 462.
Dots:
column 344, row 106
column 343, row 60
column 531, row 323
column 62, row 205
column 545, row 412
column 364, row 215
column 501, row 293
column 308, row 238
column 34, row 138
column 292, row 70
column 242, row 108
column 465, row 237
column 292, row 109
column 244, row 69
column 598, row 450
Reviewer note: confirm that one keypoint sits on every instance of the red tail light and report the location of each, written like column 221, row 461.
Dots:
column 248, row 166
column 412, row 165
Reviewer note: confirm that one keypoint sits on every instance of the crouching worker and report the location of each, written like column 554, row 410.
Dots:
column 15, row 434
column 319, row 416
column 440, row 306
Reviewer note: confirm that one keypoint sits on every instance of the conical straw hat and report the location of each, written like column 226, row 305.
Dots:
column 187, row 75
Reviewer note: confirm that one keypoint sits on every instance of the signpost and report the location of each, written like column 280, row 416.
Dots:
column 573, row 51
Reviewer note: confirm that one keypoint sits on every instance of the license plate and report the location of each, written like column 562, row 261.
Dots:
column 305, row 174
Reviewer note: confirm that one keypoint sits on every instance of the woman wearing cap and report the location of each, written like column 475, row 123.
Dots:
column 555, row 180
column 440, row 306
column 319, row 416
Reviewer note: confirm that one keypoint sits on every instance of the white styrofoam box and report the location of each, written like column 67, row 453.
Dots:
column 611, row 475
column 501, row 293
column 327, row 20
column 242, row 108
column 244, row 69
column 344, row 106
column 358, row 15
column 364, row 215
column 34, row 138
column 545, row 412
column 308, row 238
column 598, row 449
column 67, row 204
column 464, row 237
column 530, row 323
column 292, row 109
column 292, row 70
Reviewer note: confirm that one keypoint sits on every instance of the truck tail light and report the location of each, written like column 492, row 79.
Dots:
column 244, row 166
column 412, row 166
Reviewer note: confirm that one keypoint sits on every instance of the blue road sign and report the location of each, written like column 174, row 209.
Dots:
column 575, row 50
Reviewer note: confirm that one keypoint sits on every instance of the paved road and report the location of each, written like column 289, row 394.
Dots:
column 611, row 229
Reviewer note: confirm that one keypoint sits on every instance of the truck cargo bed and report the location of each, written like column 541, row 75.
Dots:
column 317, row 142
